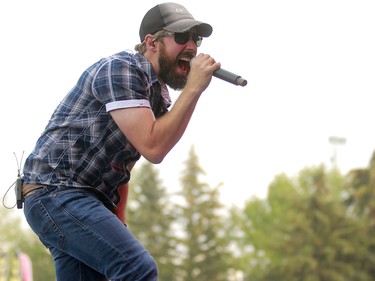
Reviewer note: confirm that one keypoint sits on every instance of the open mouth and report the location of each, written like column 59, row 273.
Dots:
column 184, row 64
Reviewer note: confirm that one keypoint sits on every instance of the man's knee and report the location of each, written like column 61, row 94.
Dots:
column 149, row 268
column 144, row 268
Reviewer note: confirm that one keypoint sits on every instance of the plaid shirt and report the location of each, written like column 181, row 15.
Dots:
column 82, row 146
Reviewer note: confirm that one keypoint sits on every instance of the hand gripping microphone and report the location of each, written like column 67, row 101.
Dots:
column 229, row 77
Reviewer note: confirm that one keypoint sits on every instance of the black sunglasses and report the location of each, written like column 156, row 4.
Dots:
column 183, row 38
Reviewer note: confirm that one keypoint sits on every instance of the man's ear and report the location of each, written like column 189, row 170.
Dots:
column 150, row 41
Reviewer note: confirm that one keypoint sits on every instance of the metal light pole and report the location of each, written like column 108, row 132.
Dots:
column 335, row 141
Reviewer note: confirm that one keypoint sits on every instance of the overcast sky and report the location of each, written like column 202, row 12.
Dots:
column 310, row 67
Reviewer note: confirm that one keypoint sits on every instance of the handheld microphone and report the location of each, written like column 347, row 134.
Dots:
column 228, row 76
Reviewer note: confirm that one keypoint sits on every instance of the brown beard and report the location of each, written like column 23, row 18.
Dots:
column 167, row 74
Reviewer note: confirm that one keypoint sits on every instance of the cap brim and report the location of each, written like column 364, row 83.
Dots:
column 203, row 29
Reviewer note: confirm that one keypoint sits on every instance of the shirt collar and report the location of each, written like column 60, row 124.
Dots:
column 147, row 66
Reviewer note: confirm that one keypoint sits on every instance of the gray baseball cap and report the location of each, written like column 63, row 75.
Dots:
column 172, row 17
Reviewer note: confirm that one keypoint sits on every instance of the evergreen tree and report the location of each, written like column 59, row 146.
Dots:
column 16, row 238
column 205, row 251
column 150, row 218
column 359, row 196
column 360, row 191
column 302, row 232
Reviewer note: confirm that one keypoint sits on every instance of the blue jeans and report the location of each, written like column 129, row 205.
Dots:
column 87, row 241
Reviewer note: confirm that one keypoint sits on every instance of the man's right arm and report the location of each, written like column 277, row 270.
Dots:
column 154, row 138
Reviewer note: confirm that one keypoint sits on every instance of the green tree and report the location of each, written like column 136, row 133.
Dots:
column 16, row 237
column 204, row 242
column 302, row 231
column 359, row 193
column 150, row 218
